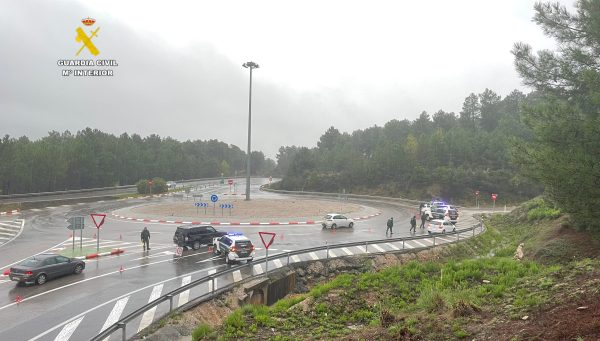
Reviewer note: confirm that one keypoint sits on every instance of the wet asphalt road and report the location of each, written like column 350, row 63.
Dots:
column 97, row 297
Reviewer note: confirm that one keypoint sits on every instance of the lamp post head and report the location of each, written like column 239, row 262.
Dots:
column 250, row 65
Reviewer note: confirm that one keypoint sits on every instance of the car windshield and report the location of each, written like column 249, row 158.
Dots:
column 329, row 216
column 32, row 262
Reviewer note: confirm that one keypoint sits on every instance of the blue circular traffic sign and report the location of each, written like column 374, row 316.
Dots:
column 214, row 198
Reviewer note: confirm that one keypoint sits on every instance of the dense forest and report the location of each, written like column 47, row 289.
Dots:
column 91, row 158
column 441, row 155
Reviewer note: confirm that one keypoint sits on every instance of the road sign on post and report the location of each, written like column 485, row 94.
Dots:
column 98, row 223
column 477, row 199
column 76, row 223
column 214, row 198
column 494, row 196
column 267, row 244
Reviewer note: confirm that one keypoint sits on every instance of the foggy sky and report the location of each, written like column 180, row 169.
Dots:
column 349, row 66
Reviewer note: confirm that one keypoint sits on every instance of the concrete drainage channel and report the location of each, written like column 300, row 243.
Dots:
column 263, row 287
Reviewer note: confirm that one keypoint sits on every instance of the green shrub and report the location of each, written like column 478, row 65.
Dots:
column 159, row 185
column 201, row 331
column 539, row 209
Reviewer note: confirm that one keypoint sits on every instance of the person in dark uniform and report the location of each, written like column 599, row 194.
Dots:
column 390, row 224
column 423, row 219
column 146, row 238
column 413, row 224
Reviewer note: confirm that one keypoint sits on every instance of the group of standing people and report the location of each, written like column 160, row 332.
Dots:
column 413, row 224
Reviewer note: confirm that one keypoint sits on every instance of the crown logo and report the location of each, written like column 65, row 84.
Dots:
column 88, row 21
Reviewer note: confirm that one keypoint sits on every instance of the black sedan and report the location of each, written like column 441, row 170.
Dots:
column 38, row 269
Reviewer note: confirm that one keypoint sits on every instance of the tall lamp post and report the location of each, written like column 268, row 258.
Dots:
column 249, row 65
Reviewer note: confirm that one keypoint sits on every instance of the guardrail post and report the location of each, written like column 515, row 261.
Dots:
column 170, row 297
column 473, row 228
column 457, row 236
column 288, row 258
column 213, row 286
column 434, row 240
column 327, row 251
column 402, row 243
column 123, row 327
column 366, row 244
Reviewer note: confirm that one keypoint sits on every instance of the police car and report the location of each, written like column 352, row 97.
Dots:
column 235, row 247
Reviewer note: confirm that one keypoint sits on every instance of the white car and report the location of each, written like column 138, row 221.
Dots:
column 335, row 220
column 440, row 226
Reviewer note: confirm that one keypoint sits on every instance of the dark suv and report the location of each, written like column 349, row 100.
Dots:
column 195, row 235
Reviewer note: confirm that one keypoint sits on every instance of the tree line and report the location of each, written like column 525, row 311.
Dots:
column 444, row 155
column 91, row 158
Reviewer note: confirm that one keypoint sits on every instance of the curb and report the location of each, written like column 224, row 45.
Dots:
column 101, row 254
column 10, row 212
column 234, row 223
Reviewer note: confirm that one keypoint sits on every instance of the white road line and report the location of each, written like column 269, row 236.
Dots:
column 35, row 210
column 348, row 252
column 428, row 241
column 378, row 248
column 418, row 243
column 392, row 246
column 51, row 329
column 68, row 330
column 332, row 254
column 362, row 249
column 115, row 313
column 313, row 256
column 148, row 316
column 184, row 296
column 258, row 269
column 295, row 258
column 408, row 245
column 237, row 276
column 444, row 239
column 210, row 286
column 277, row 263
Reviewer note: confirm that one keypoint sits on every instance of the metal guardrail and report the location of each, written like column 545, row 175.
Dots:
column 404, row 201
column 122, row 323
column 94, row 192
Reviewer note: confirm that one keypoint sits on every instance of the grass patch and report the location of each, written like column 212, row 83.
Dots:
column 201, row 331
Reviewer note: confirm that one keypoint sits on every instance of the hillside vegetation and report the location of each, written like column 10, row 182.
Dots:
column 476, row 290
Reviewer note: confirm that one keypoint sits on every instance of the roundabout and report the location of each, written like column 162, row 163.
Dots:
column 262, row 211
